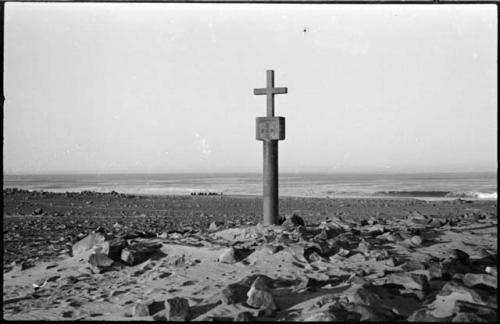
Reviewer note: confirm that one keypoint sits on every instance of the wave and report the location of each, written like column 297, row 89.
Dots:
column 438, row 194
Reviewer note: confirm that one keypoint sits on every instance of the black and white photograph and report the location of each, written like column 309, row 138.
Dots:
column 239, row 161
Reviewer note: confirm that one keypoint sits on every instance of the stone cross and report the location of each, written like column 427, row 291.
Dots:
column 270, row 130
column 270, row 91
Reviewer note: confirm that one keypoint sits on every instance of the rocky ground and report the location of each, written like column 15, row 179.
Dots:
column 117, row 257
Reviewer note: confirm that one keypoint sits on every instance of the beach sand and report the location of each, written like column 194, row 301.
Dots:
column 355, row 259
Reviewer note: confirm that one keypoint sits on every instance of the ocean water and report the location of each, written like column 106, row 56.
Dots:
column 424, row 186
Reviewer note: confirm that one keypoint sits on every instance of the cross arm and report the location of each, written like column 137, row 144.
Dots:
column 281, row 90
column 260, row 91
column 265, row 91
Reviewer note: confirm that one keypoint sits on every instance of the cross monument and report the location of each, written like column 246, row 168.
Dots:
column 270, row 130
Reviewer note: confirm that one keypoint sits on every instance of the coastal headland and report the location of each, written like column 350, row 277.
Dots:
column 347, row 258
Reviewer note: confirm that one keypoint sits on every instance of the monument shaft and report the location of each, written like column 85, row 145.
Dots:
column 270, row 179
column 270, row 129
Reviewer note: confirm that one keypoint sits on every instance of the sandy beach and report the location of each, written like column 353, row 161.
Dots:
column 109, row 256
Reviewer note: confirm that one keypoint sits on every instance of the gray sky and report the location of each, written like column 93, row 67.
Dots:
column 169, row 87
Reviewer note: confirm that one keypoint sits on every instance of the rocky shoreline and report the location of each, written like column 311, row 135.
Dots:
column 108, row 256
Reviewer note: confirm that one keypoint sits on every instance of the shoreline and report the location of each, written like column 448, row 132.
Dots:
column 217, row 194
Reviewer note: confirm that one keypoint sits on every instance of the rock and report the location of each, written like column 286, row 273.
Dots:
column 112, row 248
column 366, row 312
column 300, row 230
column 284, row 238
column 214, row 226
column 293, row 220
column 435, row 222
column 244, row 317
column 416, row 240
column 115, row 248
column 435, row 270
column 27, row 264
column 234, row 293
column 162, row 235
column 272, row 249
column 177, row 309
column 323, row 235
column 390, row 262
column 453, row 267
column 456, row 263
column 412, row 265
column 488, row 313
column 364, row 247
column 461, row 256
column 376, row 229
column 249, row 280
column 313, row 256
column 260, row 297
column 474, row 279
column 147, row 308
column 228, row 256
column 346, row 241
column 343, row 253
column 491, row 270
column 361, row 294
column 336, row 223
column 407, row 280
column 423, row 315
column 321, row 317
column 38, row 211
column 467, row 317
column 140, row 310
column 308, row 283
column 390, row 237
column 89, row 242
column 445, row 301
column 417, row 218
column 139, row 252
column 100, row 260
column 175, row 260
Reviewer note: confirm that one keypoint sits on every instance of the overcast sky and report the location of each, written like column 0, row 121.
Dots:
column 169, row 87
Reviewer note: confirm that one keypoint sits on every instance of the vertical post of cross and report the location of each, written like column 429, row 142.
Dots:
column 270, row 98
column 270, row 129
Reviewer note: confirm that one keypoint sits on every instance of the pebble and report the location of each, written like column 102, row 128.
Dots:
column 461, row 256
column 139, row 252
column 214, row 226
column 140, row 309
column 234, row 293
column 423, row 315
column 244, row 317
column 407, row 280
column 260, row 297
column 89, row 242
column 488, row 313
column 467, row 317
column 293, row 220
column 321, row 317
column 416, row 240
column 491, row 270
column 177, row 309
column 100, row 260
column 474, row 279
column 376, row 229
column 228, row 256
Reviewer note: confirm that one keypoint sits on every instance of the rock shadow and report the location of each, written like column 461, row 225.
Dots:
column 286, row 298
column 199, row 310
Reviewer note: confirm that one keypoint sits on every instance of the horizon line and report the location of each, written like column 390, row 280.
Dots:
column 246, row 172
